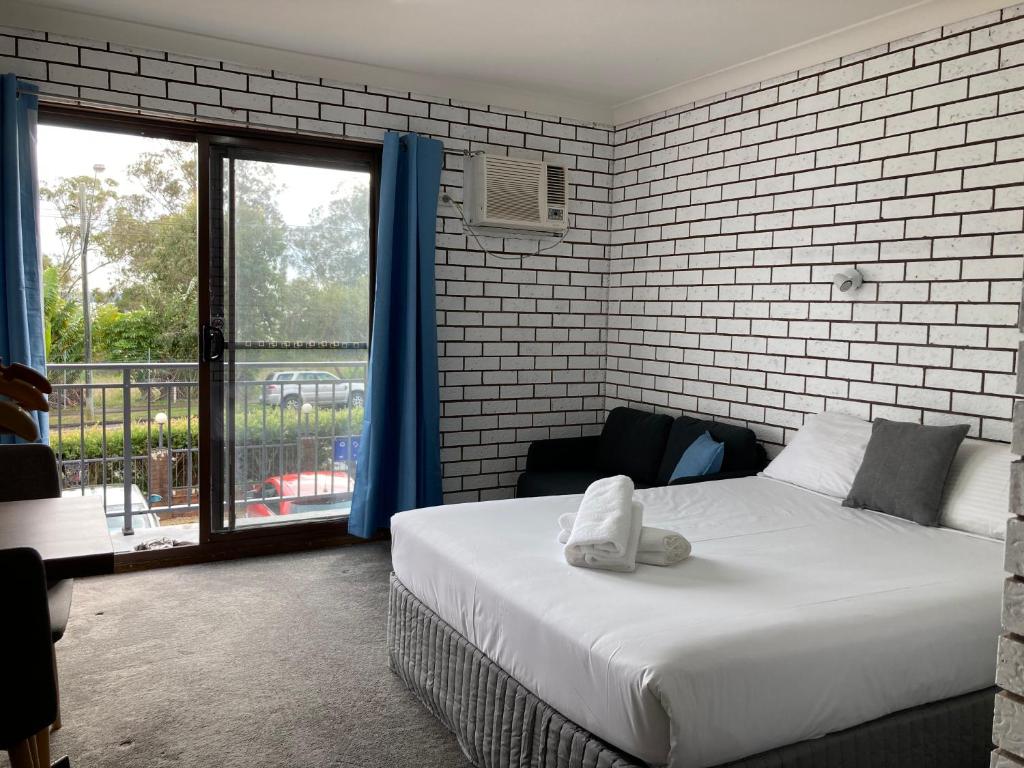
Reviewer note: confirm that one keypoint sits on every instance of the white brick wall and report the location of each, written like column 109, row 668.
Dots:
column 731, row 216
column 1008, row 722
column 698, row 274
column 521, row 344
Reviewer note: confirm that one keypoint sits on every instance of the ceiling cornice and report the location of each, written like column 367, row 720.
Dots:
column 105, row 29
column 920, row 17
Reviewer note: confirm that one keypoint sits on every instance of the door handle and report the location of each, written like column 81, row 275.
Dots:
column 211, row 343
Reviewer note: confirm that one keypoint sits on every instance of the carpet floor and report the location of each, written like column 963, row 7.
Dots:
column 274, row 661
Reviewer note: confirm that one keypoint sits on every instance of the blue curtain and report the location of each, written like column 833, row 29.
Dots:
column 399, row 461
column 21, row 290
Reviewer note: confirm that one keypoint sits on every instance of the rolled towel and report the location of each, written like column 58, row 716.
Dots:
column 663, row 557
column 607, row 528
column 657, row 546
column 662, row 541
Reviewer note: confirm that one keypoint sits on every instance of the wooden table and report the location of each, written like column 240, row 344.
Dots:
column 69, row 533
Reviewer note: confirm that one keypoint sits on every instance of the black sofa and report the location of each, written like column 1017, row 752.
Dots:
column 645, row 446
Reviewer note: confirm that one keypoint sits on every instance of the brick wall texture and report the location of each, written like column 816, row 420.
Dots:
column 731, row 217
column 697, row 276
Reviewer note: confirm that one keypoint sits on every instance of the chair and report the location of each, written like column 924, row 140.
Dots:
column 29, row 471
column 28, row 705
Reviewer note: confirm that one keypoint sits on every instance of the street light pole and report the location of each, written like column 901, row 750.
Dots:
column 85, row 229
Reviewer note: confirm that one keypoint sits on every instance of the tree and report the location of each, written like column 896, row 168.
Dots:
column 63, row 324
column 334, row 247
column 332, row 312
column 152, row 236
column 327, row 297
column 65, row 197
column 261, row 246
column 304, row 283
column 124, row 336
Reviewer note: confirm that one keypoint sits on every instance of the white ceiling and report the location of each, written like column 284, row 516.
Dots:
column 608, row 53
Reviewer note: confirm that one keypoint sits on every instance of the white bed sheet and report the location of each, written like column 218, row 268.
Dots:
column 795, row 617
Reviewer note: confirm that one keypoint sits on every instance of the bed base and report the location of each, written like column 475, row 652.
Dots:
column 500, row 724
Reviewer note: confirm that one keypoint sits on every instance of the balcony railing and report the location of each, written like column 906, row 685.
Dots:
column 130, row 432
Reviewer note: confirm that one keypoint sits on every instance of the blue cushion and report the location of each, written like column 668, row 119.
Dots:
column 703, row 457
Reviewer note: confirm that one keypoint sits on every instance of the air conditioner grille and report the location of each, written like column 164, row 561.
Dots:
column 512, row 189
column 556, row 185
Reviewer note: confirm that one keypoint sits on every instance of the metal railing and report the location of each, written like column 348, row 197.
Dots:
column 118, row 428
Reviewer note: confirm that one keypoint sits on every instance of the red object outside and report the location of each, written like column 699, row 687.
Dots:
column 312, row 488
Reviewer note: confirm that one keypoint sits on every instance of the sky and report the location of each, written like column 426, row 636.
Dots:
column 73, row 152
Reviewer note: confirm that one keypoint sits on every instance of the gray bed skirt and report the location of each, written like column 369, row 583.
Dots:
column 500, row 724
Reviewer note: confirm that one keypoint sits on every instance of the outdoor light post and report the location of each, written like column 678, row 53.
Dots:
column 85, row 229
column 161, row 420
column 307, row 443
column 160, row 486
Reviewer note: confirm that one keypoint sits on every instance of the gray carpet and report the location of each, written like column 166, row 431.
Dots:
column 275, row 661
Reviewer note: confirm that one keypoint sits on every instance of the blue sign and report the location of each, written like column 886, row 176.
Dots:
column 346, row 448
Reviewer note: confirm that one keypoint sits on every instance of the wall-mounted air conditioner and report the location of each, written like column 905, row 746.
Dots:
column 508, row 193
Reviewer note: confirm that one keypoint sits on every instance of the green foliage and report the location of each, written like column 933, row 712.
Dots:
column 301, row 283
column 63, row 325
column 153, row 237
column 66, row 197
column 123, row 336
column 73, row 444
column 250, row 427
column 335, row 243
column 282, row 427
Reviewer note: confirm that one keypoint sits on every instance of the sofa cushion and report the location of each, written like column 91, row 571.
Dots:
column 684, row 431
column 554, row 483
column 742, row 451
column 702, row 458
column 632, row 444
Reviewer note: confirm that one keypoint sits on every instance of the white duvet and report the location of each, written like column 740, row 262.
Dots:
column 793, row 618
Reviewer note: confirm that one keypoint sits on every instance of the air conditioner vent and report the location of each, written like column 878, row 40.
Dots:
column 556, row 185
column 513, row 188
column 517, row 195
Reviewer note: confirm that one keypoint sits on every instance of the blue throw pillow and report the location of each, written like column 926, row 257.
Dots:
column 703, row 457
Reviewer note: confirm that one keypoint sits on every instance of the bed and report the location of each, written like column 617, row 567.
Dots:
column 795, row 618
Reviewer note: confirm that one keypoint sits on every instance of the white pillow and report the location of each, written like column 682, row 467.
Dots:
column 824, row 455
column 977, row 494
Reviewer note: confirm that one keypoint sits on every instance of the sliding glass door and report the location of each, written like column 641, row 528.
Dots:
column 242, row 437
column 286, row 330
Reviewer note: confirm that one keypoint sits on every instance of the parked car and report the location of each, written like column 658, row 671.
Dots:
column 142, row 518
column 290, row 389
column 328, row 492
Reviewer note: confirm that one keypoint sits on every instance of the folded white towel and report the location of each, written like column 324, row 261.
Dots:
column 657, row 546
column 607, row 528
column 593, row 558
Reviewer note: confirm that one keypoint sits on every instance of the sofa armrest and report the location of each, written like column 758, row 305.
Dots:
column 563, row 454
column 715, row 476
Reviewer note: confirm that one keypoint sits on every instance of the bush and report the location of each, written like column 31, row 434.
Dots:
column 73, row 444
column 266, row 446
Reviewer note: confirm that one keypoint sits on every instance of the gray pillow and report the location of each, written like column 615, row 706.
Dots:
column 904, row 469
